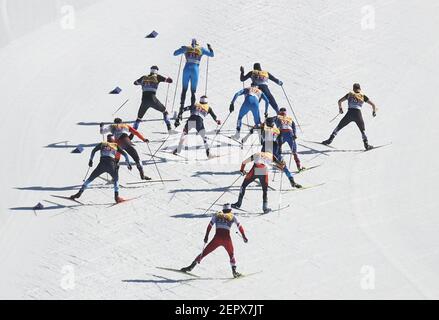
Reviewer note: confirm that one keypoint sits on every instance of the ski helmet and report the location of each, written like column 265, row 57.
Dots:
column 257, row 66
column 227, row 208
column 269, row 122
column 194, row 43
column 117, row 120
column 203, row 99
column 283, row 111
column 154, row 69
column 110, row 137
column 356, row 86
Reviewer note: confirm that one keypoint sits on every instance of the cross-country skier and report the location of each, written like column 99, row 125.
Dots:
column 196, row 120
column 223, row 221
column 107, row 164
column 251, row 103
column 271, row 141
column 260, row 171
column 150, row 85
column 193, row 54
column 355, row 100
column 288, row 134
column 120, row 131
column 260, row 78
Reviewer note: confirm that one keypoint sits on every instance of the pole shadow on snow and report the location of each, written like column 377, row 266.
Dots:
column 65, row 188
column 65, row 144
column 324, row 152
column 95, row 123
column 221, row 173
column 191, row 215
column 219, row 189
column 53, row 207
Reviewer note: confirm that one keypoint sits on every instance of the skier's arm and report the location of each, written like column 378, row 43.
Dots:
column 340, row 109
column 209, row 227
column 137, row 133
column 245, row 77
column 212, row 114
column 263, row 96
column 249, row 159
column 239, row 93
column 293, row 126
column 95, row 149
column 161, row 78
column 208, row 53
column 274, row 79
column 180, row 51
column 103, row 130
column 138, row 81
column 374, row 108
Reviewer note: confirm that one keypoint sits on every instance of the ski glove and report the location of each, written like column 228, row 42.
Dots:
column 374, row 113
column 177, row 122
column 232, row 107
column 169, row 80
column 209, row 47
column 101, row 124
column 280, row 83
column 146, row 140
column 244, row 238
column 129, row 166
column 266, row 114
column 241, row 69
column 90, row 163
column 218, row 122
column 243, row 172
column 206, row 239
column 340, row 110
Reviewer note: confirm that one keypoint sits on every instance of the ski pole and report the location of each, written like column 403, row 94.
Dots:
column 207, row 76
column 176, row 85
column 227, row 189
column 219, row 130
column 167, row 92
column 153, row 159
column 88, row 170
column 335, row 117
column 289, row 103
column 120, row 107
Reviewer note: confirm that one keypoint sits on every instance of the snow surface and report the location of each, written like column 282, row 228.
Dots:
column 377, row 210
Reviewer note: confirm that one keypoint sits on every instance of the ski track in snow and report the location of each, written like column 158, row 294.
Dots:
column 376, row 208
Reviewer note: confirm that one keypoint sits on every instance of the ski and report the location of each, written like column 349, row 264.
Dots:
column 179, row 271
column 67, row 198
column 232, row 138
column 377, row 147
column 306, row 169
column 319, row 142
column 304, row 187
column 176, row 154
column 243, row 275
column 123, row 201
column 151, row 181
column 255, row 214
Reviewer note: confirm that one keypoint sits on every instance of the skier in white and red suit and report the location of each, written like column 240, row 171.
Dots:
column 223, row 220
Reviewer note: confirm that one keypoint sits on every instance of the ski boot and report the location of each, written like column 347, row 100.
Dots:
column 238, row 203
column 367, row 146
column 142, row 174
column 77, row 195
column 265, row 207
column 329, row 141
column 189, row 268
column 117, row 198
column 294, row 184
column 236, row 135
column 235, row 273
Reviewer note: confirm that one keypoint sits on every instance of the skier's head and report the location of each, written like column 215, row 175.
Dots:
column 257, row 66
column 194, row 43
column 356, row 87
column 110, row 138
column 154, row 70
column 117, row 120
column 269, row 122
column 227, row 208
column 283, row 111
column 203, row 99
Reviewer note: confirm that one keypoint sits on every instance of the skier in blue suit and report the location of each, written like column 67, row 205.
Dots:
column 251, row 104
column 193, row 54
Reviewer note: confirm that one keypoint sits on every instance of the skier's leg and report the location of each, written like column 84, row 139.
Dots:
column 194, row 83
column 182, row 138
column 272, row 101
column 293, row 146
column 185, row 83
column 161, row 108
column 245, row 108
column 343, row 123
column 263, row 179
column 113, row 171
column 133, row 153
column 249, row 178
column 142, row 110
column 202, row 131
column 95, row 173
column 256, row 115
column 213, row 244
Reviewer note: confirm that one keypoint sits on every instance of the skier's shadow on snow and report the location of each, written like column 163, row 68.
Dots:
column 65, row 144
column 53, row 207
column 208, row 173
column 324, row 152
column 160, row 280
column 65, row 188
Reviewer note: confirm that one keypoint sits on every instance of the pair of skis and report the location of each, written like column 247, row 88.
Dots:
column 242, row 275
